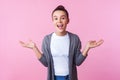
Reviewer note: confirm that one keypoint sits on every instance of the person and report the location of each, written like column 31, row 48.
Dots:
column 61, row 49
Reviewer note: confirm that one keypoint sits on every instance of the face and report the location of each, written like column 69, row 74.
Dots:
column 60, row 20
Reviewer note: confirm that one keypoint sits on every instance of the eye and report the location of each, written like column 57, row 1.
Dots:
column 63, row 18
column 55, row 18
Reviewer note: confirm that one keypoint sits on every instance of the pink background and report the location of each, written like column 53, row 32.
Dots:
column 31, row 19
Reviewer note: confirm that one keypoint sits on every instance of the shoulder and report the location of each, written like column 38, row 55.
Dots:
column 73, row 35
column 74, row 39
column 47, row 37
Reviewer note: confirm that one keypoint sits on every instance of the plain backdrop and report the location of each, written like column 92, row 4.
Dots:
column 31, row 19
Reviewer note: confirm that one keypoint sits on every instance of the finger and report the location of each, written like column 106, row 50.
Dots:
column 23, row 44
column 93, row 42
column 100, row 42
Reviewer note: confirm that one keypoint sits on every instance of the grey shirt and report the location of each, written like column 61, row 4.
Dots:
column 75, row 56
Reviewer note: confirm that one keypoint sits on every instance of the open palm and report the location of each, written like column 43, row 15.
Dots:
column 93, row 44
column 30, row 44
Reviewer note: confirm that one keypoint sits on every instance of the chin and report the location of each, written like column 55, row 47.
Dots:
column 62, row 32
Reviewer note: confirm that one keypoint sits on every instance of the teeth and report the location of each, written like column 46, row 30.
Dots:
column 60, row 25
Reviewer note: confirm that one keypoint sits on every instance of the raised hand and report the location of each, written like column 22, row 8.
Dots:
column 29, row 44
column 93, row 44
column 32, row 46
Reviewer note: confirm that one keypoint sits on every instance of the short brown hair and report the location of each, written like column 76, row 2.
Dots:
column 62, row 8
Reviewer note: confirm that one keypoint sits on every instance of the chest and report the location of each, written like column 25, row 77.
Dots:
column 60, row 46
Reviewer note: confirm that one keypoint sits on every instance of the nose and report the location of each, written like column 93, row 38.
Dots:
column 59, row 20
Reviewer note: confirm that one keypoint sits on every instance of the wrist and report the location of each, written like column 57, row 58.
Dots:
column 85, row 51
column 34, row 47
column 87, row 48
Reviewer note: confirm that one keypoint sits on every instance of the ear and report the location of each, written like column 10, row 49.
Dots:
column 68, row 20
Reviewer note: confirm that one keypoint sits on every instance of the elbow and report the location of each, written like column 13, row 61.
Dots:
column 80, row 60
column 43, row 60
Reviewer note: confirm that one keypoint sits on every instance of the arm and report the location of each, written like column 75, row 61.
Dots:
column 81, row 56
column 32, row 46
column 90, row 45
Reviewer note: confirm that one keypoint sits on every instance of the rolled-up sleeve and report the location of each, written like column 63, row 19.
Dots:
column 78, row 57
column 43, row 59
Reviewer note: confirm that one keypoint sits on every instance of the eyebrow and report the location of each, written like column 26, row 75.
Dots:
column 61, row 16
column 54, row 16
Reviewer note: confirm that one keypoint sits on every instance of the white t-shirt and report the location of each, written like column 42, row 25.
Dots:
column 60, row 52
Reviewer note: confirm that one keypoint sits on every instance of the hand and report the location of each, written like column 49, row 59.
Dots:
column 30, row 44
column 93, row 44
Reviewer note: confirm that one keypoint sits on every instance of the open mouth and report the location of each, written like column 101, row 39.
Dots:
column 60, row 26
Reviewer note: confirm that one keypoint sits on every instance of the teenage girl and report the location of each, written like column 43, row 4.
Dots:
column 61, row 49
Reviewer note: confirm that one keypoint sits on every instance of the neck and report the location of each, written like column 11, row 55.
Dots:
column 61, row 33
